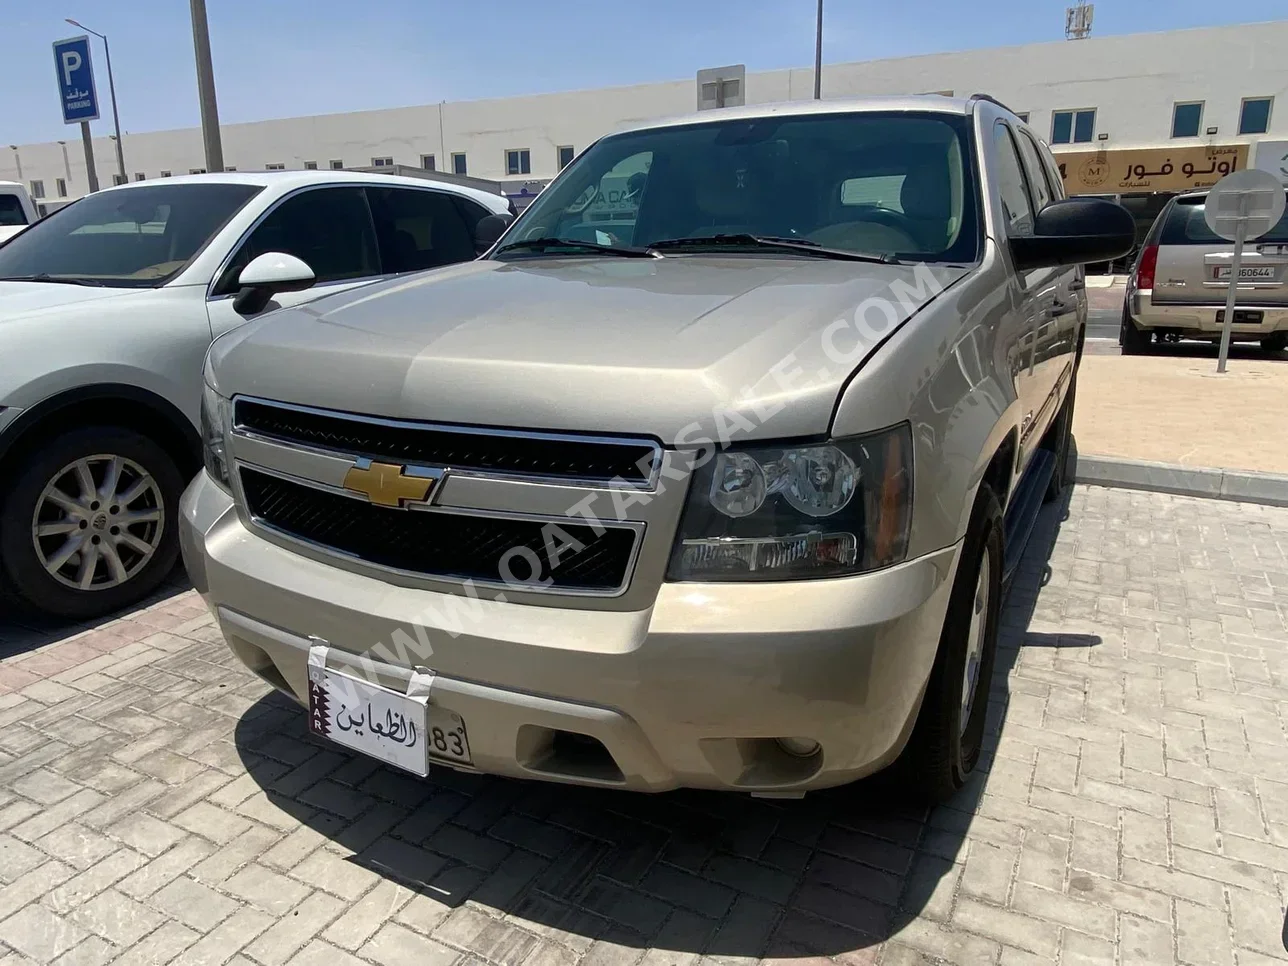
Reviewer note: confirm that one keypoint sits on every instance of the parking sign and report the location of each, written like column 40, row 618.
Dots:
column 75, row 80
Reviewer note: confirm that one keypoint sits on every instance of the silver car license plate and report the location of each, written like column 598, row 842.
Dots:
column 406, row 732
column 1250, row 273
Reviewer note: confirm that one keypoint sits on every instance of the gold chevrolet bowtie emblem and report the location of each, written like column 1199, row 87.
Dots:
column 385, row 484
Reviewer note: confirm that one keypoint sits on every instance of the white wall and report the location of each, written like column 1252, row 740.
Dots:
column 1132, row 81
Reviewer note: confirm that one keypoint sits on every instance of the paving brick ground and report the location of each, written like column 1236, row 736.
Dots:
column 158, row 805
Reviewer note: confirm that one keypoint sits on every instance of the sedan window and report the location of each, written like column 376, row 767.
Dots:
column 137, row 237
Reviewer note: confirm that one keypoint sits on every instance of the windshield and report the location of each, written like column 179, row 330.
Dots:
column 876, row 183
column 136, row 237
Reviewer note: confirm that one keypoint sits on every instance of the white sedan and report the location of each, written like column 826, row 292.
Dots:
column 107, row 310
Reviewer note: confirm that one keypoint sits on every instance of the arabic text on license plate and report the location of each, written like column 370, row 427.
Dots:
column 1254, row 272
column 403, row 731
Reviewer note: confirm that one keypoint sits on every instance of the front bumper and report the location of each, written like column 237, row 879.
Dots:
column 1199, row 321
column 690, row 692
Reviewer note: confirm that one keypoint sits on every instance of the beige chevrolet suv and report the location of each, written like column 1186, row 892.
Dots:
column 710, row 473
column 1177, row 288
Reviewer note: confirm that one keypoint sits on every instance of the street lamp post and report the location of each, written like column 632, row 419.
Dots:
column 111, row 87
column 818, row 55
column 17, row 159
column 206, row 87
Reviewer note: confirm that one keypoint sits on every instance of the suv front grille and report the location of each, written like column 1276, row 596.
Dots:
column 540, row 456
column 439, row 543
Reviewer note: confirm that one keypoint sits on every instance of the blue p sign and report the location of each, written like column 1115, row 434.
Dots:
column 76, row 80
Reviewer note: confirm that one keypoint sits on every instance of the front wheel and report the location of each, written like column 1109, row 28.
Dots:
column 89, row 526
column 946, row 742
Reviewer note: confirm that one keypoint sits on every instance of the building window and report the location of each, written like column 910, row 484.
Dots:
column 1254, row 115
column 119, row 179
column 1073, row 127
column 140, row 176
column 518, row 162
column 165, row 174
column 275, row 166
column 565, row 156
column 61, row 185
column 196, row 171
column 382, row 162
column 427, row 162
column 458, row 163
column 1186, row 119
column 310, row 165
column 337, row 164
column 38, row 189
column 230, row 167
column 1023, row 116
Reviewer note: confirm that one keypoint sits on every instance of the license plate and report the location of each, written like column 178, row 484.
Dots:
column 388, row 725
column 1253, row 273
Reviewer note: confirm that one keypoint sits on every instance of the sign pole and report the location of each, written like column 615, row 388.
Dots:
column 90, row 172
column 1239, row 238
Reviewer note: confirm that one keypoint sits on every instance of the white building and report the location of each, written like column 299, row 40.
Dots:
column 1204, row 90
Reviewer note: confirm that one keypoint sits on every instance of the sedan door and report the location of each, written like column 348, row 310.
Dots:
column 329, row 228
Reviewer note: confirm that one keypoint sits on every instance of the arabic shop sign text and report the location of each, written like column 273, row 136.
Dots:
column 1149, row 169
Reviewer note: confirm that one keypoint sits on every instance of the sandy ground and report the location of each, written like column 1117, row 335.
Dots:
column 1178, row 410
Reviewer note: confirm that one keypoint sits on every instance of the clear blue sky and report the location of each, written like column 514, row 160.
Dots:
column 281, row 58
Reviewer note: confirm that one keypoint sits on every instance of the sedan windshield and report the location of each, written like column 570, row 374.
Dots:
column 134, row 237
column 880, row 185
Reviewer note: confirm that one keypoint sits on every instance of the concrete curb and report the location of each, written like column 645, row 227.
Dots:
column 1216, row 484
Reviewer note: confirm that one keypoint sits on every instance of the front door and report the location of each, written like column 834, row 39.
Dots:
column 1031, row 294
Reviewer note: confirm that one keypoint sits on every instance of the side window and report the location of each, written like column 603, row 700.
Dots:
column 1038, row 178
column 328, row 228
column 419, row 229
column 1017, row 206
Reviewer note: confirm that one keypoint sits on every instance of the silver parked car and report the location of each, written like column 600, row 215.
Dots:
column 107, row 309
column 1177, row 287
column 710, row 477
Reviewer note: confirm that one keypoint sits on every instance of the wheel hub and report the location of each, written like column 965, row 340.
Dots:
column 98, row 522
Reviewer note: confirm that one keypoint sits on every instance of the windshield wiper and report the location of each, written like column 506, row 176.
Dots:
column 770, row 242
column 542, row 244
column 56, row 279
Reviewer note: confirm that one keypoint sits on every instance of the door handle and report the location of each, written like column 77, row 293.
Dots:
column 1077, row 285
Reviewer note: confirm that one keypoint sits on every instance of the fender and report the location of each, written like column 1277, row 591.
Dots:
column 175, row 424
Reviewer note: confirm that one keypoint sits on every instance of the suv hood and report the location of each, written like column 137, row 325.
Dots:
column 638, row 346
column 25, row 299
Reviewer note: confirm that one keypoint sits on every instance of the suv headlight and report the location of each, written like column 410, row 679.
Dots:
column 214, row 430
column 798, row 511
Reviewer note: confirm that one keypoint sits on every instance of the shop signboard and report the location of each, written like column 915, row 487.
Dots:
column 1145, row 170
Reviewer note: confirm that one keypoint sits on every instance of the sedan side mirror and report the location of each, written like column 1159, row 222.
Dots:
column 489, row 229
column 1075, row 231
column 266, row 276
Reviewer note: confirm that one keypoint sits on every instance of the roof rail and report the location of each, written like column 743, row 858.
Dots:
column 991, row 99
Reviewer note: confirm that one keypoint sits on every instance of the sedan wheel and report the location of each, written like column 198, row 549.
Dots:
column 98, row 522
column 88, row 526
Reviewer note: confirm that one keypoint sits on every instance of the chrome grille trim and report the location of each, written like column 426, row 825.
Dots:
column 653, row 446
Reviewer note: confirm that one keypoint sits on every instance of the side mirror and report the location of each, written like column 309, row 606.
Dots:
column 1075, row 231
column 489, row 229
column 266, row 276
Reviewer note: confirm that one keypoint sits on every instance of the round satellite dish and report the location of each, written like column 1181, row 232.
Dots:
column 1253, row 197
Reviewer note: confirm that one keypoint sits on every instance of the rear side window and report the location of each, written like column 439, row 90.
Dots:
column 1037, row 171
column 1185, row 225
column 11, row 212
column 419, row 229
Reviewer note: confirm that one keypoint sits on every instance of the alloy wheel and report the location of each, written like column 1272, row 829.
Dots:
column 98, row 522
column 975, row 641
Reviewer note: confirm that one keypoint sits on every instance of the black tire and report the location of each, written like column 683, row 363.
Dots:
column 22, row 568
column 1059, row 435
column 1275, row 342
column 1134, row 341
column 941, row 754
